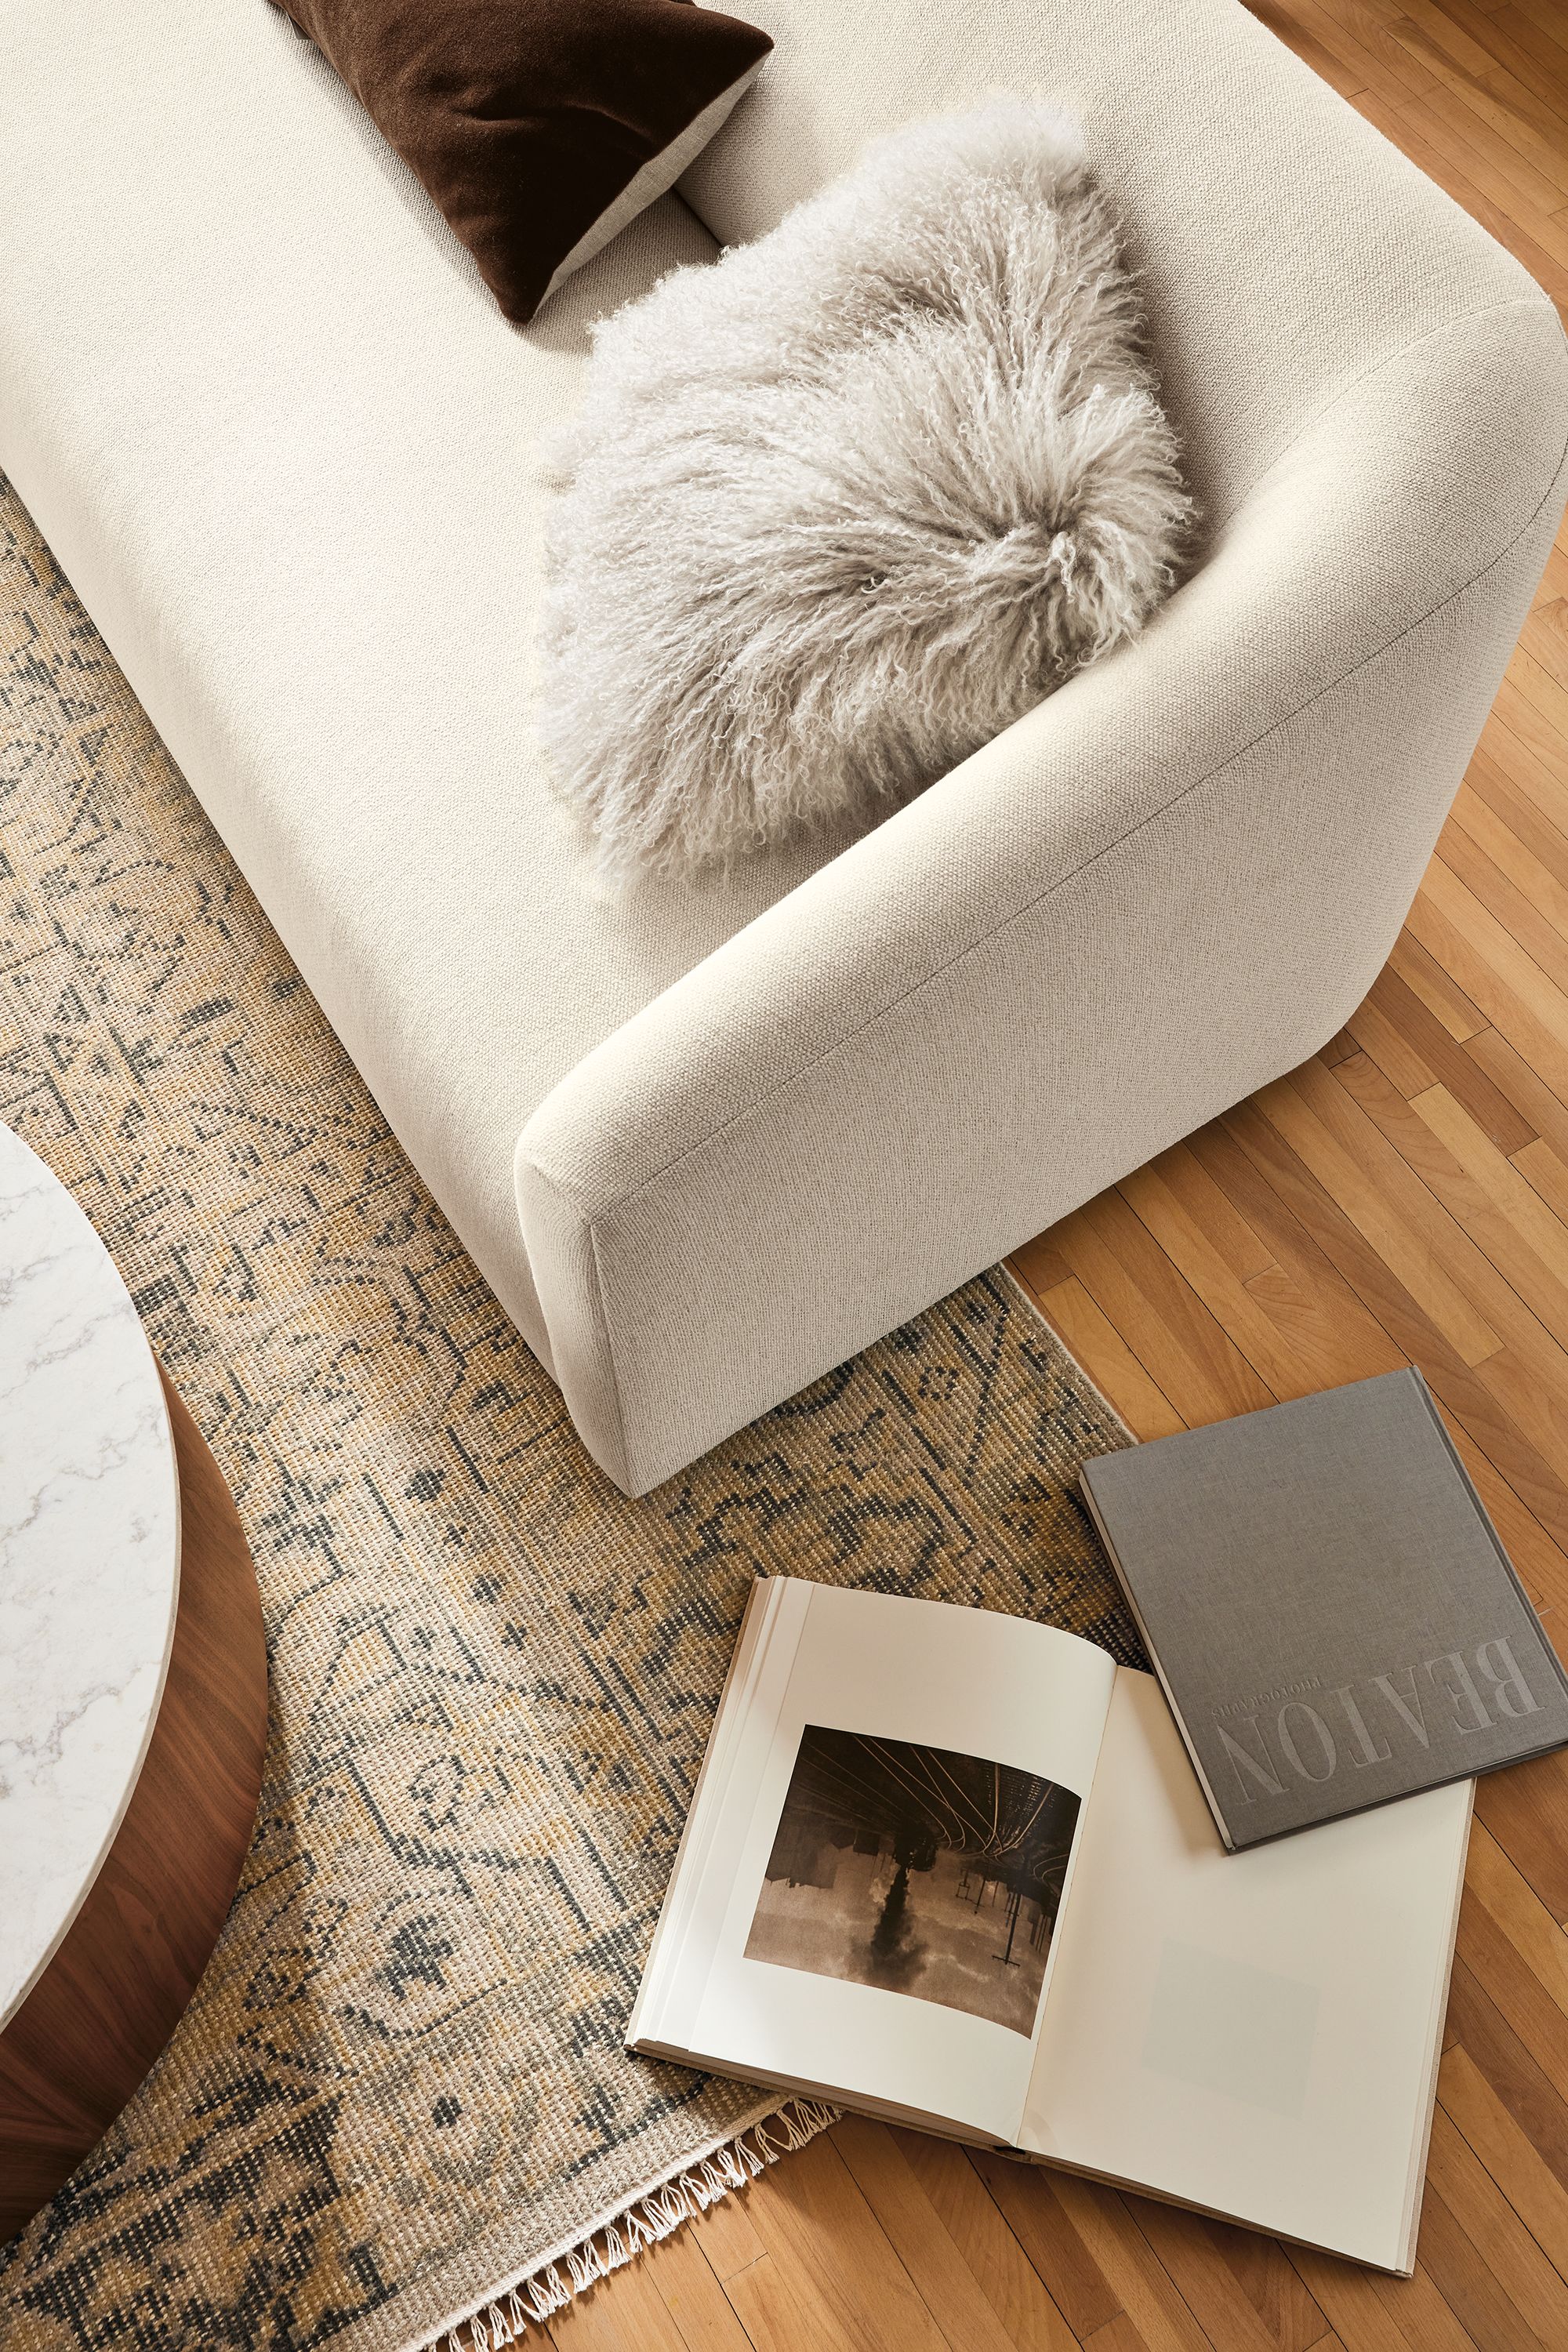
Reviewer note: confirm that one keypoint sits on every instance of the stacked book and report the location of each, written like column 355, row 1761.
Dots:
column 1190, row 1933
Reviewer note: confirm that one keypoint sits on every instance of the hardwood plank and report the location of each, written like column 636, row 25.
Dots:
column 1477, row 2299
column 1423, row 1047
column 1524, row 1810
column 1525, row 2005
column 1107, row 1359
column 623, row 2314
column 1344, row 1330
column 1239, row 1314
column 1503, row 751
column 1529, row 1094
column 1382, row 1198
column 1027, row 2197
column 783, row 2313
column 1275, row 2288
column 1256, row 2304
column 1373, row 2314
column 1530, row 916
column 1118, row 2334
column 1513, row 994
column 1533, row 2189
column 1504, row 107
column 1531, row 213
column 1526, row 1241
column 1436, row 986
column 915, row 2229
column 1534, row 2301
column 1545, row 13
column 1546, row 1176
column 1554, row 579
column 1540, row 692
column 1133, row 1285
column 1360, row 45
column 1519, row 841
column 1479, row 1418
column 829, row 2255
column 667, row 2300
column 1141, row 2282
column 725, row 2234
column 1522, row 40
column 1544, row 637
column 974, row 2222
column 1475, row 149
column 1520, row 2083
column 1472, row 133
column 1039, row 1266
column 1500, row 1888
column 1211, row 1209
column 1518, row 710
column 1541, row 1561
column 1324, row 1344
column 1439, row 40
column 1401, row 74
column 1385, row 1041
column 1518, row 808
column 1342, row 1342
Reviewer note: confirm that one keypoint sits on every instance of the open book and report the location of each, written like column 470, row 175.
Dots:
column 956, row 1869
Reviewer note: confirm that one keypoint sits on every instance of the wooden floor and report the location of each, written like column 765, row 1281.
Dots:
column 1403, row 1197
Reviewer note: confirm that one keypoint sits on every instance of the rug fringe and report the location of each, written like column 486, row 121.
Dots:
column 643, row 2220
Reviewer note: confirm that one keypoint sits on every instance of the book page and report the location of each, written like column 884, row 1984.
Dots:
column 868, row 1897
column 1256, row 2032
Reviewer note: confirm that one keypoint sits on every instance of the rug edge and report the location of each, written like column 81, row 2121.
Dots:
column 1016, row 1284
column 654, row 2211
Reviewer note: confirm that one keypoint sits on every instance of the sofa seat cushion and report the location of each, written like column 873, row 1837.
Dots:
column 284, row 445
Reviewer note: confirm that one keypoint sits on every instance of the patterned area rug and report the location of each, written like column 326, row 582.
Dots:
column 402, row 2087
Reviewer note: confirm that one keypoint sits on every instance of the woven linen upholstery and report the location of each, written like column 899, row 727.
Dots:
column 283, row 444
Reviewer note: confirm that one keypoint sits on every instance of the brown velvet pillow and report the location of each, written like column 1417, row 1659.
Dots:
column 540, row 127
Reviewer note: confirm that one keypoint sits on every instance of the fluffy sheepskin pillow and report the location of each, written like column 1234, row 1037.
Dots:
column 843, row 504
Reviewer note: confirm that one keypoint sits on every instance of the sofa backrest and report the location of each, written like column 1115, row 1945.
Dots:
column 1286, row 249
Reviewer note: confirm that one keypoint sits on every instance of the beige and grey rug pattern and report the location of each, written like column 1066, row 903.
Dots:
column 401, row 2086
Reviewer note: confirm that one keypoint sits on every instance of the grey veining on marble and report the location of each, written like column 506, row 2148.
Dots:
column 89, row 1559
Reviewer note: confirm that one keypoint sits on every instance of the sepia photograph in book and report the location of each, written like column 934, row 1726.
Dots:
column 917, row 1870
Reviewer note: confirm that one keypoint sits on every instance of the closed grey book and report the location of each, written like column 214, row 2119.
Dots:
column 1328, row 1606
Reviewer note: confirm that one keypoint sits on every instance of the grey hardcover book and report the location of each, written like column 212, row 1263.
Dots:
column 1328, row 1606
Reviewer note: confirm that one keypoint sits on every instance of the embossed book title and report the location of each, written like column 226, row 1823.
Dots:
column 1330, row 1608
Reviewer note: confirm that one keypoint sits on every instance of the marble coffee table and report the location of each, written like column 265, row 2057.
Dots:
column 133, row 1692
column 89, row 1560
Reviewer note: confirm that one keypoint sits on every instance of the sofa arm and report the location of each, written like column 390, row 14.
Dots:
column 1171, row 881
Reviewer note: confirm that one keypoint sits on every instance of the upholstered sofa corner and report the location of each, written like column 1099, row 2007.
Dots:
column 1170, row 883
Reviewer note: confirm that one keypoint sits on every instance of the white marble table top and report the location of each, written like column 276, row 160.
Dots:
column 89, row 1560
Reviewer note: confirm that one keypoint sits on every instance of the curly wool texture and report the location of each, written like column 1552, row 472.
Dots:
column 843, row 504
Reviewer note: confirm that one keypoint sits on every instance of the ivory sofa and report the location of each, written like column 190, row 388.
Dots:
column 706, row 1140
